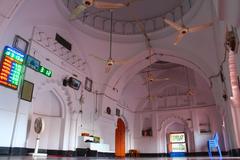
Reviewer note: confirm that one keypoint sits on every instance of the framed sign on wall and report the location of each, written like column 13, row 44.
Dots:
column 32, row 63
column 88, row 84
column 20, row 44
column 27, row 91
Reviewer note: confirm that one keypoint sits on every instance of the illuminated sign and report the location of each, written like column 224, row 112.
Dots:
column 45, row 71
column 179, row 147
column 33, row 63
column 177, row 137
column 11, row 67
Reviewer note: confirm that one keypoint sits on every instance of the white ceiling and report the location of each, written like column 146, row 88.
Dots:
column 149, row 12
column 154, row 8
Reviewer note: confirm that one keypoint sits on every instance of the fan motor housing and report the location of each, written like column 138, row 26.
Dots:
column 88, row 3
column 232, row 40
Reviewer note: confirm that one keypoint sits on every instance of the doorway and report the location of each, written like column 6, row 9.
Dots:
column 120, row 139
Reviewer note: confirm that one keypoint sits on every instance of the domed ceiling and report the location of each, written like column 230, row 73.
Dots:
column 126, row 20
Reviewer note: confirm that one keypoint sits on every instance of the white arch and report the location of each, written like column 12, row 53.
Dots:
column 139, row 62
column 65, row 100
column 124, row 119
column 162, row 131
column 62, row 94
column 126, row 72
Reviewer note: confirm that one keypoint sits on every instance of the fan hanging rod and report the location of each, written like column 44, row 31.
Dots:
column 111, row 14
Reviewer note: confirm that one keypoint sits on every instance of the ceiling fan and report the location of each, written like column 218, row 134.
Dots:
column 110, row 61
column 151, row 78
column 183, row 30
column 97, row 4
column 149, row 96
column 190, row 91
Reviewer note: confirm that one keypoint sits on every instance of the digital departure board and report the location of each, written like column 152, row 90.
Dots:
column 11, row 67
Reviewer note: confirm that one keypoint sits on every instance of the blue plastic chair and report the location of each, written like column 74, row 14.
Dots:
column 213, row 143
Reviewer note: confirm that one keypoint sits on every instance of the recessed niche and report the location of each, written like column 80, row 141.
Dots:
column 108, row 110
column 147, row 126
column 204, row 124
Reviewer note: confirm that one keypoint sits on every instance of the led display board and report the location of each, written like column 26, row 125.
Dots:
column 45, row 71
column 11, row 67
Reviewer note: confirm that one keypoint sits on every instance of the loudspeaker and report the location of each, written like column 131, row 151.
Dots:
column 65, row 82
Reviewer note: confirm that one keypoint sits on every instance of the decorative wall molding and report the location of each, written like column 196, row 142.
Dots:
column 47, row 40
column 57, row 88
column 173, row 119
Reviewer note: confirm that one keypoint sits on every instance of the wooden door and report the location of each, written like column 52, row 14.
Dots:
column 120, row 139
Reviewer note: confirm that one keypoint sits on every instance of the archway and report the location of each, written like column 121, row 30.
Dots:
column 176, row 139
column 49, row 107
column 120, row 139
column 51, row 103
column 177, row 124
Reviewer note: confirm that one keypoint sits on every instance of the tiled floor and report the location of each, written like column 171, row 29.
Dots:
column 83, row 158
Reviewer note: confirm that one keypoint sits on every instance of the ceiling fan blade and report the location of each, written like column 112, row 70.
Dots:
column 145, row 71
column 179, row 38
column 161, row 79
column 190, row 92
column 108, row 5
column 151, row 98
column 77, row 11
column 120, row 61
column 174, row 25
column 99, row 58
column 200, row 27
column 155, row 80
column 129, row 2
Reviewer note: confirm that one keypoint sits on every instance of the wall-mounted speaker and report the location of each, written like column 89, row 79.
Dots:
column 72, row 82
column 65, row 82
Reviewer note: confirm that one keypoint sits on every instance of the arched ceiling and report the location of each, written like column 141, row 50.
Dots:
column 149, row 12
column 173, row 86
column 151, row 15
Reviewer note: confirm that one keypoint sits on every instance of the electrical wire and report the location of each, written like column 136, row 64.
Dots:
column 220, row 71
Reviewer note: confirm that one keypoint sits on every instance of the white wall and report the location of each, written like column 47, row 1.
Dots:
column 22, row 24
column 186, row 120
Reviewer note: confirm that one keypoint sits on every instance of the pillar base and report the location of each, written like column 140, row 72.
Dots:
column 39, row 155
